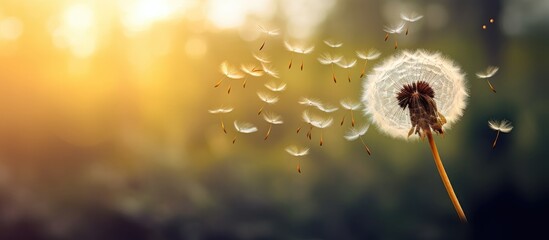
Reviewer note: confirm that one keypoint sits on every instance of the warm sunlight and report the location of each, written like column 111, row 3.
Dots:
column 231, row 14
column 77, row 30
column 139, row 15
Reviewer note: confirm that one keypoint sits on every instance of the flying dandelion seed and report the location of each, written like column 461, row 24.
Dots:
column 273, row 86
column 268, row 69
column 503, row 126
column 410, row 18
column 262, row 58
column 229, row 72
column 243, row 127
column 350, row 105
column 221, row 111
column 297, row 152
column 347, row 64
column 272, row 118
column 252, row 70
column 397, row 29
column 327, row 108
column 369, row 55
column 357, row 133
column 312, row 102
column 299, row 50
column 266, row 98
column 326, row 59
column 268, row 33
column 333, row 44
column 411, row 92
column 488, row 73
column 321, row 123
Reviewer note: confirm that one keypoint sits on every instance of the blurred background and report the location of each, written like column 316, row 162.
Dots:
column 105, row 131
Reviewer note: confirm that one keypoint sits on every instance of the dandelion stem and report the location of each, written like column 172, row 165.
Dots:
column 301, row 64
column 445, row 179
column 333, row 74
column 366, row 146
column 262, row 45
column 363, row 69
column 268, row 131
column 495, row 140
column 491, row 87
column 342, row 121
column 352, row 119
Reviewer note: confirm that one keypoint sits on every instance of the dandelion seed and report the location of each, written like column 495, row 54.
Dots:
column 419, row 90
column 412, row 17
column 251, row 70
column 268, row 33
column 357, row 133
column 326, row 59
column 488, row 73
column 310, row 102
column 347, row 64
column 221, row 111
column 297, row 49
column 503, row 126
column 297, row 152
column 327, row 108
column 350, row 105
column 268, row 69
column 266, row 98
column 397, row 29
column 273, row 86
column 333, row 44
column 229, row 72
column 243, row 127
column 322, row 123
column 271, row 118
column 261, row 58
column 371, row 54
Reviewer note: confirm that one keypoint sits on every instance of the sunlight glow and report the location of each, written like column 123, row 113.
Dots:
column 10, row 28
column 77, row 30
column 139, row 15
column 234, row 13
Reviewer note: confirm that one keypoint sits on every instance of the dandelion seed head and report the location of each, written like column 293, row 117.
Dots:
column 244, row 127
column 221, row 110
column 272, row 118
column 296, row 151
column 273, row 86
column 503, row 126
column 327, row 58
column 350, row 104
column 488, row 73
column 345, row 63
column 382, row 85
column 355, row 132
column 371, row 54
column 267, row 97
column 230, row 71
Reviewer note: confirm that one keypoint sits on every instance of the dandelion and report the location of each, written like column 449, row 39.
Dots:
column 268, row 33
column 229, row 72
column 488, row 73
column 333, row 44
column 371, row 54
column 351, row 106
column 221, row 111
column 271, row 118
column 347, row 64
column 273, row 86
column 326, row 59
column 503, row 126
column 243, row 127
column 268, row 69
column 297, row 49
column 297, row 152
column 266, row 98
column 412, row 17
column 327, row 108
column 251, row 70
column 397, row 29
column 313, row 102
column 357, row 133
column 417, row 92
